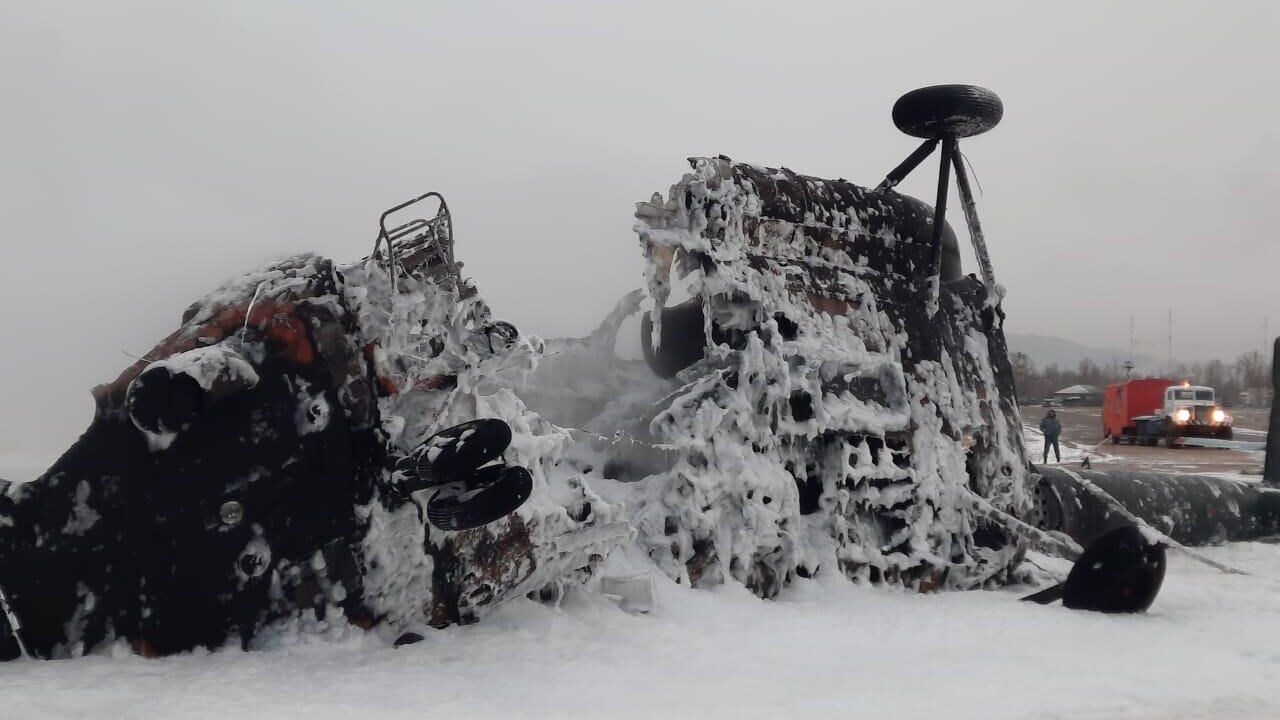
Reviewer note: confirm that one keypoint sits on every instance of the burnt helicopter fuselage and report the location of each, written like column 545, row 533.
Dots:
column 243, row 449
column 245, row 472
column 836, row 395
column 267, row 463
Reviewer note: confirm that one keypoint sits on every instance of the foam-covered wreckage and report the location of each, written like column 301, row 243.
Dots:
column 273, row 464
column 826, row 417
column 841, row 397
column 269, row 464
column 320, row 445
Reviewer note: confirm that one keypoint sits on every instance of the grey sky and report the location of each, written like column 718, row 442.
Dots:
column 150, row 150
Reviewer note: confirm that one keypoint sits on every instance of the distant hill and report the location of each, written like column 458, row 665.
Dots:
column 1045, row 350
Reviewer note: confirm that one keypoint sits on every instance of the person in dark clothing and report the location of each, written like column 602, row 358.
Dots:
column 1051, row 429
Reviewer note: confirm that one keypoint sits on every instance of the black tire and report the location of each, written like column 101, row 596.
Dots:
column 1115, row 439
column 458, row 450
column 490, row 494
column 947, row 111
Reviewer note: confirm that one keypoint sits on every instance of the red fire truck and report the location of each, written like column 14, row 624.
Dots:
column 1144, row 411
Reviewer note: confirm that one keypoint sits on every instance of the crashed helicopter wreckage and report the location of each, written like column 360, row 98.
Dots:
column 261, row 464
column 321, row 444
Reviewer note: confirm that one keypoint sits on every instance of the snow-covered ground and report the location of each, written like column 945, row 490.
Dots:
column 1071, row 452
column 1210, row 647
column 1249, row 462
column 1074, row 453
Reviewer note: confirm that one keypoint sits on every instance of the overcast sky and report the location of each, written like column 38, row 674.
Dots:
column 150, row 150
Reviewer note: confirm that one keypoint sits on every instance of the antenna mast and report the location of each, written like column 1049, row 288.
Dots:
column 1128, row 364
column 1133, row 351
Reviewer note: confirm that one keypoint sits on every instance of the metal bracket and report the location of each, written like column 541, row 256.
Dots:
column 15, row 626
column 434, row 235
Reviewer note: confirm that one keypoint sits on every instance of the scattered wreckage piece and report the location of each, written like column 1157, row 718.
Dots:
column 1120, row 572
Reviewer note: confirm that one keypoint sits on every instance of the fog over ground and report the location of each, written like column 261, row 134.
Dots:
column 150, row 150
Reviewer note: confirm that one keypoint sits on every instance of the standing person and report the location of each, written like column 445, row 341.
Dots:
column 1051, row 429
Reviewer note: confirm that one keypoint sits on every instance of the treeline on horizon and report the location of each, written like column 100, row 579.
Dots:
column 1250, row 371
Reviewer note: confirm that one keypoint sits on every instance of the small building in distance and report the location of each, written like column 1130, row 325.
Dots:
column 1255, row 397
column 1079, row 395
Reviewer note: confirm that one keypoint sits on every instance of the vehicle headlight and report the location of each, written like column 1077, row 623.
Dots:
column 1219, row 415
column 1182, row 415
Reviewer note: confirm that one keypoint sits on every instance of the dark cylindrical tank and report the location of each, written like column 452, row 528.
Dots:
column 1192, row 509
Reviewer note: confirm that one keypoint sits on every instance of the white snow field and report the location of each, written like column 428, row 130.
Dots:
column 1208, row 648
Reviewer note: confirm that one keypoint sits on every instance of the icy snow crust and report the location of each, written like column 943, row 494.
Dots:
column 825, row 649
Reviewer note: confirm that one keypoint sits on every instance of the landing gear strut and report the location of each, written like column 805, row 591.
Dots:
column 946, row 113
